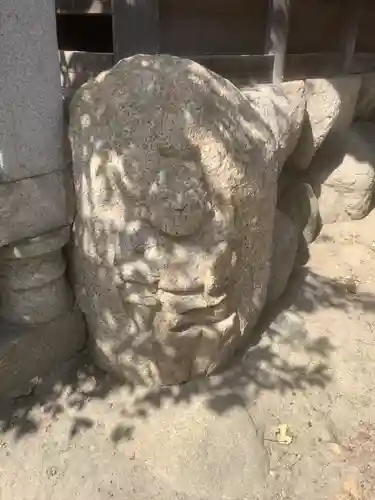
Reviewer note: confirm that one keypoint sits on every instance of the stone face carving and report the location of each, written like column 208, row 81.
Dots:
column 175, row 174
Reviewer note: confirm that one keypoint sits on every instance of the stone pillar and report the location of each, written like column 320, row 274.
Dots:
column 36, row 197
column 34, row 287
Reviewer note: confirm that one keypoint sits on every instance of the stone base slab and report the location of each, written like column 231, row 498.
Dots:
column 27, row 352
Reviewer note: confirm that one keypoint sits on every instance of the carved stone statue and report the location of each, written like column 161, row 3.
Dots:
column 175, row 175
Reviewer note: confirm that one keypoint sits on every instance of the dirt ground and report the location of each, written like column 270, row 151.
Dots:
column 294, row 419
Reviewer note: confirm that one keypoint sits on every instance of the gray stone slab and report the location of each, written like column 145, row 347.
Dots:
column 31, row 122
column 36, row 305
column 33, row 206
column 35, row 272
column 39, row 245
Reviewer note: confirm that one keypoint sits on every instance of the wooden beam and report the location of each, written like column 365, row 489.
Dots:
column 362, row 63
column 315, row 65
column 241, row 69
column 78, row 67
column 277, row 36
column 135, row 27
column 352, row 15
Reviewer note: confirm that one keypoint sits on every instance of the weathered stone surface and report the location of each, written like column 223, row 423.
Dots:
column 23, row 274
column 28, row 351
column 30, row 96
column 36, row 305
column 330, row 105
column 348, row 88
column 204, row 452
column 35, row 196
column 33, row 288
column 282, row 107
column 176, row 175
column 365, row 109
column 343, row 175
column 34, row 206
column 299, row 203
column 285, row 245
column 39, row 245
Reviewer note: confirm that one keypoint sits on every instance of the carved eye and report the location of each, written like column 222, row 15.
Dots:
column 177, row 199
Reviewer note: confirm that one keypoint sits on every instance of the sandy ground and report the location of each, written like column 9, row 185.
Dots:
column 294, row 419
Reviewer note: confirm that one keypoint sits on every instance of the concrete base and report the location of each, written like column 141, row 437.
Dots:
column 27, row 352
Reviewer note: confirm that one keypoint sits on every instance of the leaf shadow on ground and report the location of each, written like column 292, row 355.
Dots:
column 77, row 384
column 256, row 367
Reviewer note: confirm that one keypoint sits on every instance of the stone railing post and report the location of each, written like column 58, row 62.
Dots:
column 36, row 198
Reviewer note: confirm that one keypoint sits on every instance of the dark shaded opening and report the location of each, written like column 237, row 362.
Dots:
column 365, row 35
column 315, row 26
column 85, row 32
column 207, row 27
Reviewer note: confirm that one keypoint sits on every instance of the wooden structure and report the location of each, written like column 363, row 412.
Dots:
column 244, row 40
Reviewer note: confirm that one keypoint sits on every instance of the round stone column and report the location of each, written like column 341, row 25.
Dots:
column 33, row 284
column 31, row 123
column 39, row 323
column 35, row 186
